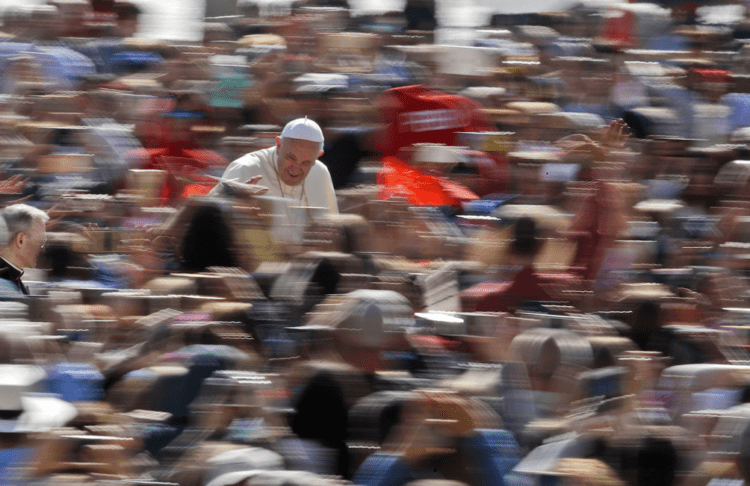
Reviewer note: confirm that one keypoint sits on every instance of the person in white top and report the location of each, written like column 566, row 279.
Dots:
column 290, row 169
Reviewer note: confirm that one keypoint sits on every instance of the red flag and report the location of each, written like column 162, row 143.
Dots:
column 399, row 179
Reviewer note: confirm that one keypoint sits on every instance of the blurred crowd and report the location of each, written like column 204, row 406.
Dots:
column 534, row 271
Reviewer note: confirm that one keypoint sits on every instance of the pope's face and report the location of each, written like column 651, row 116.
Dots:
column 295, row 159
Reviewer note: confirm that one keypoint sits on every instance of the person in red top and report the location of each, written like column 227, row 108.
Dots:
column 179, row 150
column 526, row 284
column 418, row 114
column 600, row 219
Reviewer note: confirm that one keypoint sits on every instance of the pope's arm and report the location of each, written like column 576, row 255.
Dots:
column 241, row 170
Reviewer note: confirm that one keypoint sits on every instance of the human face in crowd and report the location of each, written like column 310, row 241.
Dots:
column 31, row 243
column 295, row 159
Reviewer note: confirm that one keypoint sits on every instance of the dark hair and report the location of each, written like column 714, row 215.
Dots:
column 525, row 242
column 126, row 10
column 647, row 316
column 320, row 410
column 743, row 460
column 102, row 5
column 639, row 125
column 208, row 241
column 326, row 277
column 60, row 257
column 657, row 462
column 320, row 413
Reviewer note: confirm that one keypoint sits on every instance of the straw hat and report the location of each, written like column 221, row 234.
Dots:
column 643, row 291
column 171, row 285
column 533, row 157
column 587, row 472
column 227, row 311
column 506, row 116
column 253, row 40
column 533, row 107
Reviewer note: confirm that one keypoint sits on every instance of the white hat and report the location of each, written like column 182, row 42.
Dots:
column 229, row 464
column 303, row 129
column 368, row 317
column 273, row 478
column 22, row 390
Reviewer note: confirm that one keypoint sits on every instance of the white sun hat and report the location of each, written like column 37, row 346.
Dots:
column 231, row 464
column 24, row 405
column 273, row 478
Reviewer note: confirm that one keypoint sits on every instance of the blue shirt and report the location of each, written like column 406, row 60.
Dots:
column 492, row 454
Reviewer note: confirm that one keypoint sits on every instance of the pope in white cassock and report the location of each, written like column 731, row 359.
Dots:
column 290, row 170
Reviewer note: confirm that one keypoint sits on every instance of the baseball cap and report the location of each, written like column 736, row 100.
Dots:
column 303, row 129
column 368, row 317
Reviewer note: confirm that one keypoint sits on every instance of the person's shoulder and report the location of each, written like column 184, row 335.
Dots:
column 5, row 269
column 319, row 174
column 319, row 167
column 255, row 157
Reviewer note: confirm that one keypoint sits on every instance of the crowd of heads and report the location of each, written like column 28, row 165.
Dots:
column 538, row 274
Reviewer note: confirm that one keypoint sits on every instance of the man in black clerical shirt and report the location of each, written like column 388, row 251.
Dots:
column 24, row 242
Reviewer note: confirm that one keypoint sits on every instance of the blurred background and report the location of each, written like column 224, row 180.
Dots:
column 183, row 20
